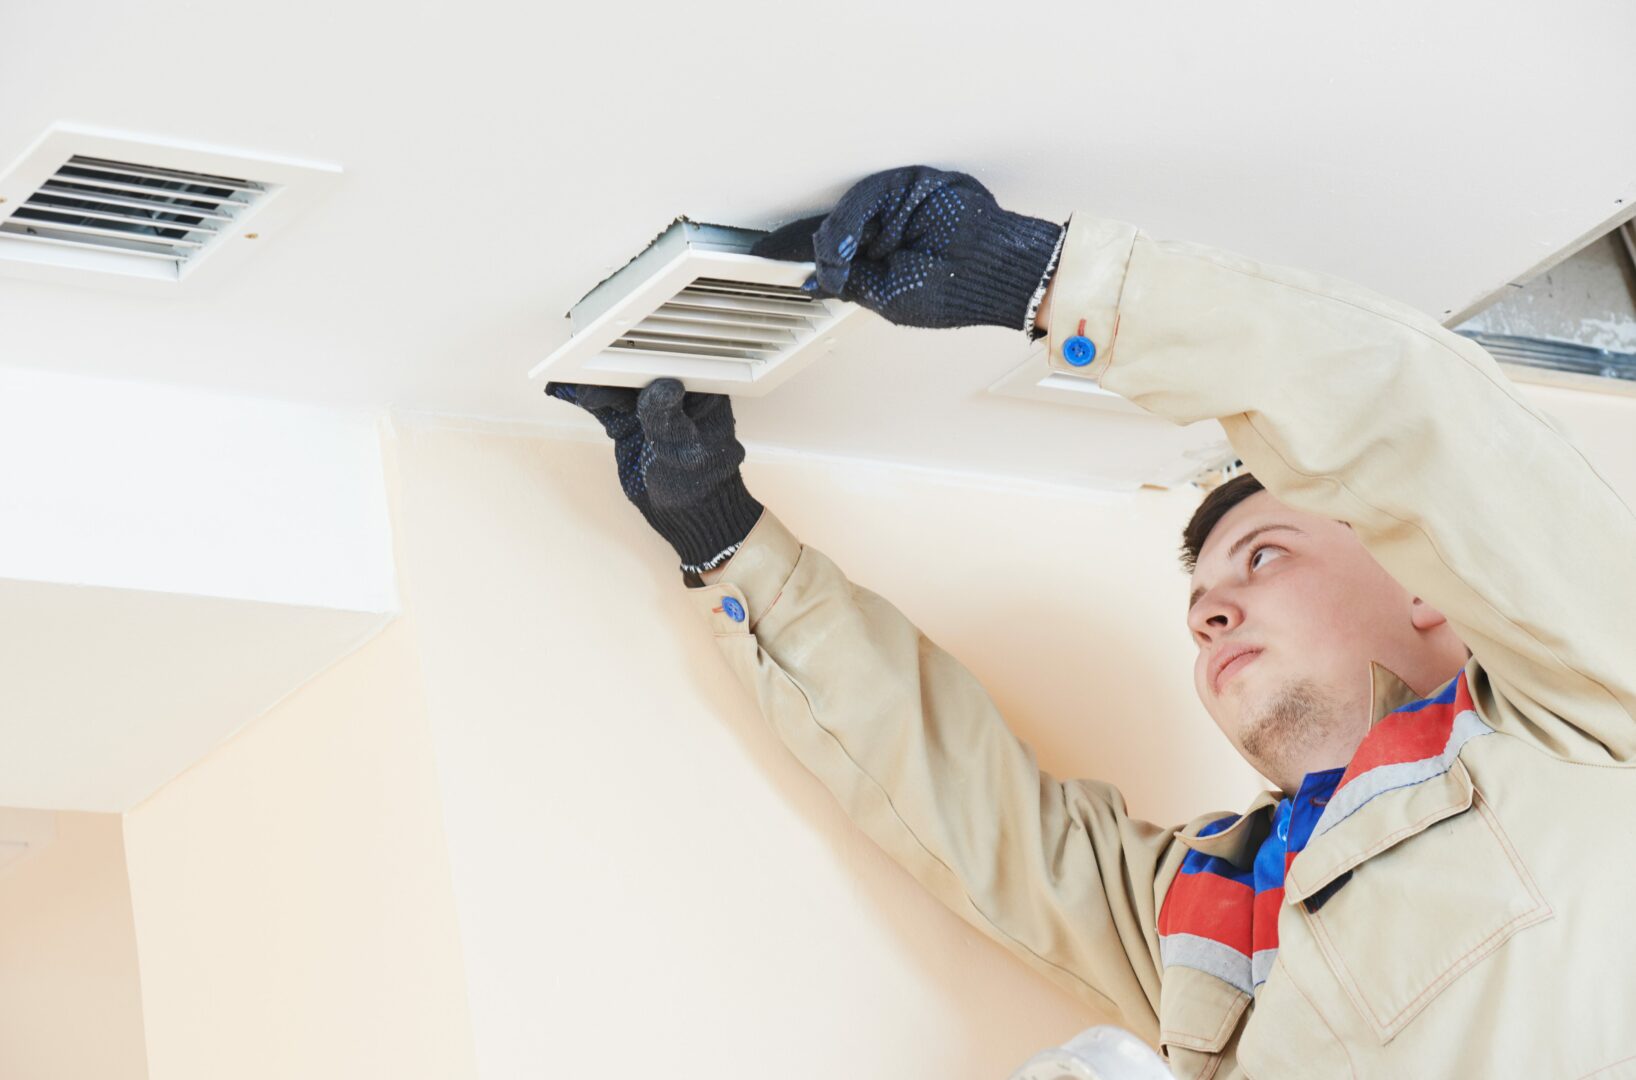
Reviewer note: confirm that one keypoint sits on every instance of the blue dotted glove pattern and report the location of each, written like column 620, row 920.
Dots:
column 906, row 234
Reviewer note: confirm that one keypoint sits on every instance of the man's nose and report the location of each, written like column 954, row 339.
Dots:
column 1216, row 613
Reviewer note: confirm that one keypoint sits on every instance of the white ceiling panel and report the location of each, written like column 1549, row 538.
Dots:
column 499, row 160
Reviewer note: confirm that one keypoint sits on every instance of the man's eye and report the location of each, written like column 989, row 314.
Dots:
column 1254, row 554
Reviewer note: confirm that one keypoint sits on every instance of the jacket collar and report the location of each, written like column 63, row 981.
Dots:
column 1238, row 842
column 1449, row 788
column 1405, row 776
column 1387, row 694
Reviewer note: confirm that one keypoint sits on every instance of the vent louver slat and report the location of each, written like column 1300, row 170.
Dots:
column 129, row 209
column 117, row 246
column 143, row 235
column 751, row 287
column 165, row 188
column 713, row 352
column 36, row 209
column 81, row 162
column 723, row 301
column 681, row 313
column 56, row 193
column 657, row 340
column 744, row 333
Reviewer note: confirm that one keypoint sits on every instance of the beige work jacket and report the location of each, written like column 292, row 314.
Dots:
column 1487, row 924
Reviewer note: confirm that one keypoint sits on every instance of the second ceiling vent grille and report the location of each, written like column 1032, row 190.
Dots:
column 89, row 206
column 698, row 307
column 132, row 210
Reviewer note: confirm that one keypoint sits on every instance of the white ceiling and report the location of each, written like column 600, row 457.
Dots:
column 500, row 159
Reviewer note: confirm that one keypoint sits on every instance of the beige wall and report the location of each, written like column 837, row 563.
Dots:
column 70, row 997
column 291, row 893
column 638, row 861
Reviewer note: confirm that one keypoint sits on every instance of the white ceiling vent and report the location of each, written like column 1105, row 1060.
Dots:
column 97, row 207
column 697, row 306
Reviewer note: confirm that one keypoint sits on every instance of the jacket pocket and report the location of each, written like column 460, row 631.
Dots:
column 1413, row 918
column 1198, row 1016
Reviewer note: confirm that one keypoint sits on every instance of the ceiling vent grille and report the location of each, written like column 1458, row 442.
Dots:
column 698, row 307
column 141, row 212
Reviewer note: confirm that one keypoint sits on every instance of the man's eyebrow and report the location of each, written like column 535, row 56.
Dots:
column 1238, row 546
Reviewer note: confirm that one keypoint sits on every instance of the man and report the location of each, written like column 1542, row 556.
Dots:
column 1440, row 886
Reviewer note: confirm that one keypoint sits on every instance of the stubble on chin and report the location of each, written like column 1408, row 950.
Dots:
column 1298, row 713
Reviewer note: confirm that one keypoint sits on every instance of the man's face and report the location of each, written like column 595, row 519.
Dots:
column 1314, row 607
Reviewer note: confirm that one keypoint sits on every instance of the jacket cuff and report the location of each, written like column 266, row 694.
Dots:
column 1085, row 295
column 752, row 579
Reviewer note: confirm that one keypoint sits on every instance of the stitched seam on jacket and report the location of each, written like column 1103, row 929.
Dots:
column 1384, row 842
column 1457, row 967
column 1536, row 914
column 1609, row 1065
column 1204, row 1042
column 998, row 932
column 779, row 595
column 1351, row 1066
column 1118, row 301
column 1464, row 963
column 1342, row 973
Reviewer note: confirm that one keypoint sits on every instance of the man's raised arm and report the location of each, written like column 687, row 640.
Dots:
column 917, row 754
column 897, row 729
column 1347, row 404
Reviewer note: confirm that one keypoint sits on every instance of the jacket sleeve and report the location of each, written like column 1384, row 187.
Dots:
column 1353, row 406
column 918, row 756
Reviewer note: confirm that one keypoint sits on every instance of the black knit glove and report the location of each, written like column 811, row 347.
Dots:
column 678, row 462
column 922, row 247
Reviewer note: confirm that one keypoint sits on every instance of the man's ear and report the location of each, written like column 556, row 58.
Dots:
column 1424, row 616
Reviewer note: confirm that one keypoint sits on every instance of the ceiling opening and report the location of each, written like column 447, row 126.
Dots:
column 1573, row 323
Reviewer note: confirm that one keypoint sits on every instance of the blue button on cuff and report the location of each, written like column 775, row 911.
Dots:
column 1079, row 350
column 733, row 608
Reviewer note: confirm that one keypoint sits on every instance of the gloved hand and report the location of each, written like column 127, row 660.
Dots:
column 923, row 247
column 678, row 463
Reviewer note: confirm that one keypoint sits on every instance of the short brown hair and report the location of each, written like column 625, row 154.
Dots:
column 1211, row 510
